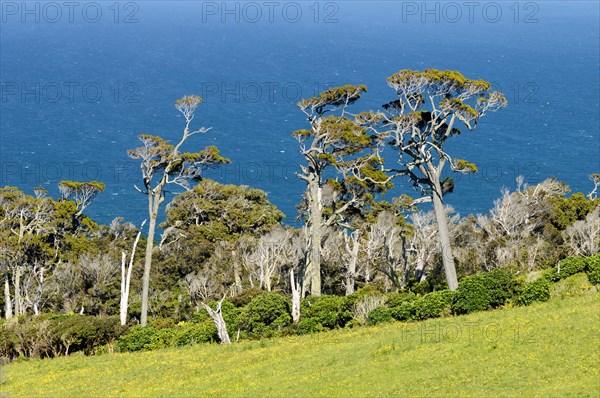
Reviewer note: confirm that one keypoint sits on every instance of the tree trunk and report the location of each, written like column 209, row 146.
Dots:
column 152, row 210
column 217, row 317
column 442, row 223
column 295, row 298
column 316, row 222
column 18, row 290
column 123, row 303
column 351, row 277
column 237, row 275
column 8, row 304
column 126, row 277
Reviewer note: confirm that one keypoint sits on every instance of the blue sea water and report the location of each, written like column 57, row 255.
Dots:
column 78, row 87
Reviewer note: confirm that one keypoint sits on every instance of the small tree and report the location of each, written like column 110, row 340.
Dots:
column 161, row 164
column 83, row 193
column 428, row 107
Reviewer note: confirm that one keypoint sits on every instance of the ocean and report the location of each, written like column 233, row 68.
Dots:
column 80, row 80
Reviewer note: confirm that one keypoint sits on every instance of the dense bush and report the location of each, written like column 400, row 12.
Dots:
column 85, row 333
column 573, row 286
column 471, row 295
column 323, row 312
column 264, row 316
column 433, row 305
column 593, row 269
column 379, row 315
column 538, row 290
column 567, row 267
column 246, row 296
column 145, row 338
column 402, row 306
column 51, row 335
column 500, row 284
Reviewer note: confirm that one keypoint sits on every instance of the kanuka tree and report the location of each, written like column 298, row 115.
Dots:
column 82, row 193
column 336, row 144
column 429, row 108
column 162, row 164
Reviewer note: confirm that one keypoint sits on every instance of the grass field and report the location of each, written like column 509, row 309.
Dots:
column 550, row 349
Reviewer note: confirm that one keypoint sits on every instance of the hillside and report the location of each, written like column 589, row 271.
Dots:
column 549, row 349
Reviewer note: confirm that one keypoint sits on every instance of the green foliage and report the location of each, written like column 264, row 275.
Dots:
column 465, row 166
column 334, row 96
column 501, row 285
column 573, row 286
column 145, row 338
column 216, row 212
column 51, row 335
column 433, row 305
column 264, row 316
column 471, row 295
column 538, row 290
column 246, row 296
column 402, row 306
column 565, row 211
column 567, row 267
column 323, row 312
column 380, row 315
column 593, row 268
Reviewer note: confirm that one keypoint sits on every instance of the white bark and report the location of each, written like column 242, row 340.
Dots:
column 217, row 317
column 7, row 300
column 126, row 277
column 296, row 293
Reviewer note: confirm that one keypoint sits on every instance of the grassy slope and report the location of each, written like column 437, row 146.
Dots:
column 549, row 349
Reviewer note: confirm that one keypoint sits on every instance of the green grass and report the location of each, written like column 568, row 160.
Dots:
column 549, row 349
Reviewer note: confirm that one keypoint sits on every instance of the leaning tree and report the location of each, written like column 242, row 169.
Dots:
column 429, row 108
column 163, row 163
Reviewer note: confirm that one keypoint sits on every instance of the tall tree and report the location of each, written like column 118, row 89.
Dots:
column 161, row 164
column 333, row 143
column 428, row 108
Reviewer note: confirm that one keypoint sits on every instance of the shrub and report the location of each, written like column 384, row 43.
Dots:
column 379, row 315
column 188, row 333
column 402, row 306
column 85, row 333
column 139, row 338
column 265, row 315
column 575, row 285
column 246, row 296
column 471, row 295
column 500, row 284
column 433, row 305
column 323, row 312
column 365, row 305
column 367, row 290
column 146, row 338
column 50, row 335
column 593, row 268
column 567, row 267
column 538, row 290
